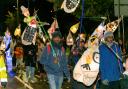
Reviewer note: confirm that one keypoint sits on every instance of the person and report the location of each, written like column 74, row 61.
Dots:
column 55, row 62
column 40, row 69
column 3, row 71
column 124, row 80
column 120, row 44
column 111, row 67
column 123, row 48
column 18, row 58
column 30, row 62
column 74, row 57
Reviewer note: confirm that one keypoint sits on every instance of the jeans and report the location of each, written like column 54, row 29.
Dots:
column 55, row 82
column 30, row 72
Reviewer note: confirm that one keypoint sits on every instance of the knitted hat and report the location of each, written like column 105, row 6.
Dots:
column 56, row 34
column 108, row 33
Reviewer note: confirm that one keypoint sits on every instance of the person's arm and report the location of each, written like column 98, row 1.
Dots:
column 120, row 54
column 65, row 67
column 102, row 60
column 70, row 62
column 44, row 56
column 27, row 19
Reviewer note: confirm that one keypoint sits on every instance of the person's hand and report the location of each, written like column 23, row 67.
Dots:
column 105, row 82
column 29, row 52
column 69, row 80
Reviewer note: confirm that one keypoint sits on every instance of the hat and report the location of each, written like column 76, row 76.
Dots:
column 56, row 34
column 108, row 33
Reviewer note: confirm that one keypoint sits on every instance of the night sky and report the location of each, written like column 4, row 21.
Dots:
column 44, row 8
column 44, row 13
column 11, row 5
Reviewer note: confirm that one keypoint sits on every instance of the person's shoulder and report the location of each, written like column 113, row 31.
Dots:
column 102, row 43
column 116, row 43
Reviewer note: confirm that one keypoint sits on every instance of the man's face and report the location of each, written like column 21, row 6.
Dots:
column 57, row 39
column 82, row 44
column 109, row 39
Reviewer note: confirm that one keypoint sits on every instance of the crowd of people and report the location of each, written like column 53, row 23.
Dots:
column 31, row 54
column 52, row 61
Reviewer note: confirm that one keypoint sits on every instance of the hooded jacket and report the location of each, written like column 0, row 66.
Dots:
column 109, row 64
column 47, row 59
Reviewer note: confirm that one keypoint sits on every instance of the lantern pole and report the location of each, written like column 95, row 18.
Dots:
column 17, row 11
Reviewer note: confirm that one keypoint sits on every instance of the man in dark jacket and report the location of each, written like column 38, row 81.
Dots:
column 30, row 61
column 110, row 62
column 55, row 63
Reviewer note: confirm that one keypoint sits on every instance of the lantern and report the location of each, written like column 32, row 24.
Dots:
column 69, row 40
column 17, row 31
column 74, row 28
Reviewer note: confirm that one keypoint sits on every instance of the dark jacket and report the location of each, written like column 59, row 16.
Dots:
column 109, row 64
column 47, row 59
column 124, row 82
column 30, row 55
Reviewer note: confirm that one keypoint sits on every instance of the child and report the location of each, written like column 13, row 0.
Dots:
column 3, row 72
column 124, row 81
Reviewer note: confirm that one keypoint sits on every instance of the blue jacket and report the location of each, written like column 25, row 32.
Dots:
column 47, row 59
column 109, row 65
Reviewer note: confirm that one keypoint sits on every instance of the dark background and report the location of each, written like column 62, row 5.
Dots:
column 46, row 14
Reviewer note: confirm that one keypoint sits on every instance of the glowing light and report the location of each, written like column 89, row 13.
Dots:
column 74, row 28
column 7, row 40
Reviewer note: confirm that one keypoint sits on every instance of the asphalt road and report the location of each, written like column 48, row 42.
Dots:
column 17, row 83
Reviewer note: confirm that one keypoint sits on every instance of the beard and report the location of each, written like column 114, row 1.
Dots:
column 56, row 44
column 110, row 43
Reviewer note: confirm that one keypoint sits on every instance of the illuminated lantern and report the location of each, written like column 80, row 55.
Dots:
column 112, row 26
column 17, row 31
column 7, row 40
column 87, row 68
column 29, row 34
column 74, row 28
column 69, row 40
column 70, row 6
column 53, row 27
